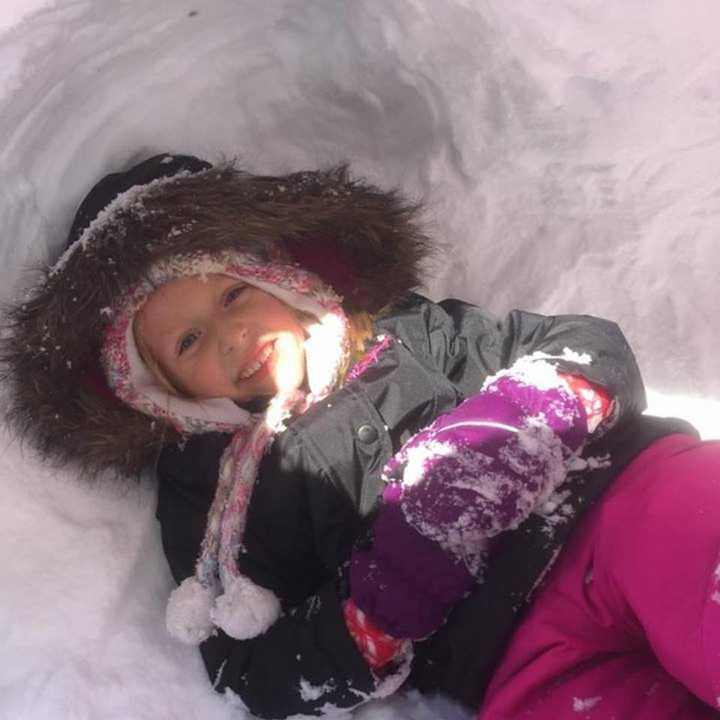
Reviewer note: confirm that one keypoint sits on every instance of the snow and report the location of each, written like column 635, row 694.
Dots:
column 569, row 153
column 533, row 370
column 585, row 704
column 129, row 202
column 13, row 12
column 308, row 691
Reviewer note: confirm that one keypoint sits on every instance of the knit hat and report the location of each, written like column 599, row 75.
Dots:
column 218, row 595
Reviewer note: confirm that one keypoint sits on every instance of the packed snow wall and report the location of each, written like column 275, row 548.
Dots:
column 568, row 152
column 569, row 156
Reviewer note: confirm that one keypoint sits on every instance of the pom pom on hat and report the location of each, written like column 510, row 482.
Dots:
column 188, row 613
column 245, row 609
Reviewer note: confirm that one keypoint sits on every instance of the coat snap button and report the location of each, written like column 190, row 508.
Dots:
column 367, row 433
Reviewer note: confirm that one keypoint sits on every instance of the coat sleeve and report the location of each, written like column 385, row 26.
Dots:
column 468, row 345
column 307, row 663
column 187, row 476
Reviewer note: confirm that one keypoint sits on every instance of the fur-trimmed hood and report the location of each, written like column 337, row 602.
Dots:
column 364, row 242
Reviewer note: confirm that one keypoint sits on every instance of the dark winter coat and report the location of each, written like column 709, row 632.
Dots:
column 320, row 481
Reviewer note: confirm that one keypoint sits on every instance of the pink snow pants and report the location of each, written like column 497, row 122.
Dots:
column 627, row 624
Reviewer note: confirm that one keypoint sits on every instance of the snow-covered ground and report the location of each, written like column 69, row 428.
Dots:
column 569, row 153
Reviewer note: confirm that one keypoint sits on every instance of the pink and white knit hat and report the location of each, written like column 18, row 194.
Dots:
column 218, row 596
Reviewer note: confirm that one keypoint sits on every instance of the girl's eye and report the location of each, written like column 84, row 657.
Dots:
column 187, row 341
column 233, row 293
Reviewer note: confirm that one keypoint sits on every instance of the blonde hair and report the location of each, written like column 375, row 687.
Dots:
column 361, row 332
column 153, row 364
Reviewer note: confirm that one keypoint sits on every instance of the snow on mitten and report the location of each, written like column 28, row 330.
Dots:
column 477, row 471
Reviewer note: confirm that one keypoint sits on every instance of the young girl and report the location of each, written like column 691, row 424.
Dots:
column 346, row 466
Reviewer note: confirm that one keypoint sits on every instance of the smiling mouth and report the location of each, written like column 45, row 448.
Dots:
column 258, row 363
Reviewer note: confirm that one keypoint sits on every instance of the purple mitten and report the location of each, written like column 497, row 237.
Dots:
column 475, row 472
column 404, row 581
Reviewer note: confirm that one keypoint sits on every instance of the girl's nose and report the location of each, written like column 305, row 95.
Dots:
column 232, row 336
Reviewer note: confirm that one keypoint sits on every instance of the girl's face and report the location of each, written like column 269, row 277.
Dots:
column 215, row 336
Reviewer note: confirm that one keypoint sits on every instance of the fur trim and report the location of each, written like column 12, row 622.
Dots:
column 364, row 242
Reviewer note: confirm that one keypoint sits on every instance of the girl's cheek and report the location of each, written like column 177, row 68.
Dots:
column 212, row 375
column 198, row 378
